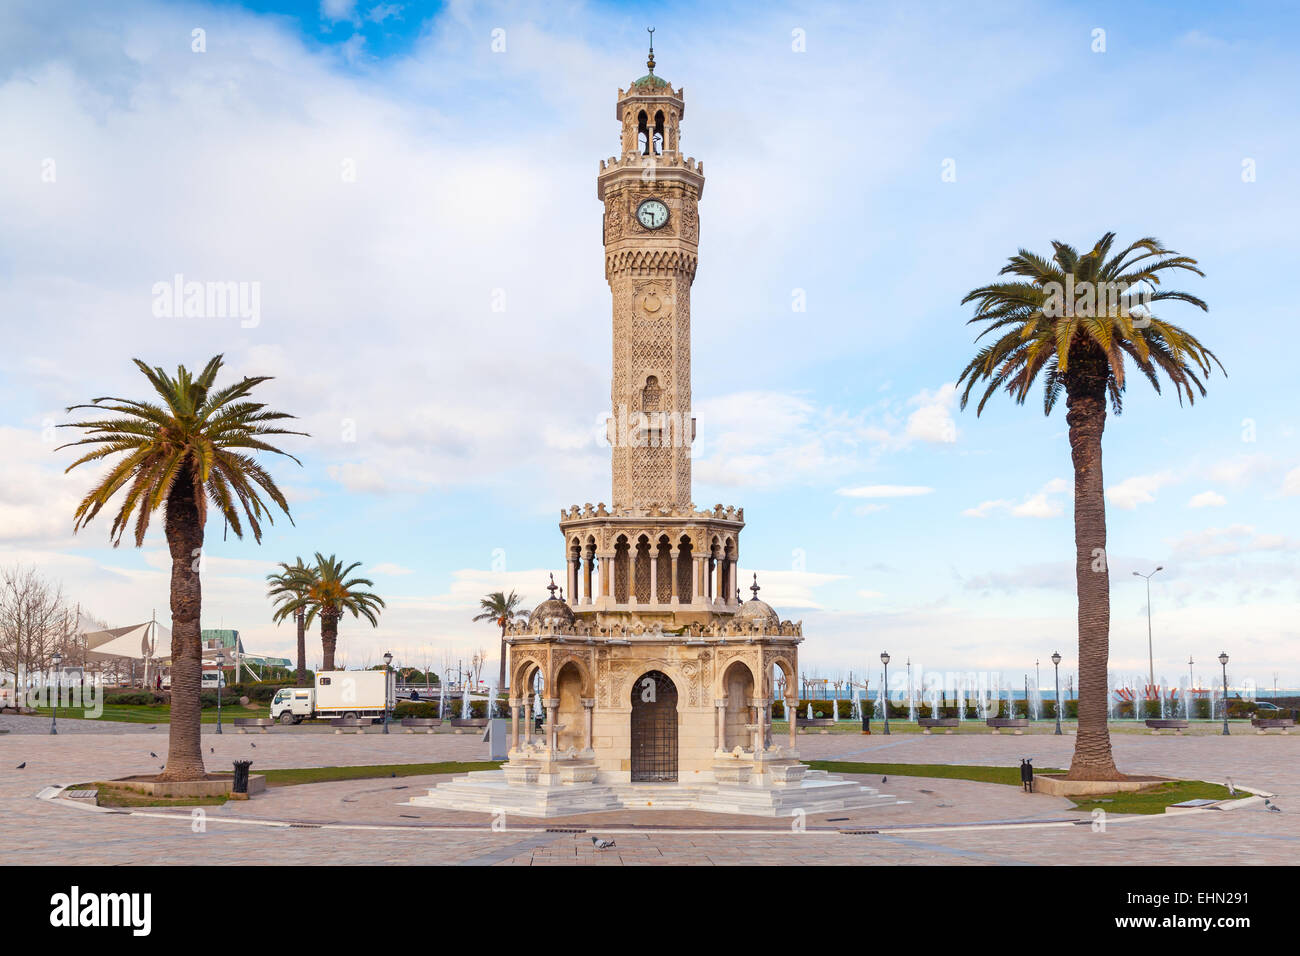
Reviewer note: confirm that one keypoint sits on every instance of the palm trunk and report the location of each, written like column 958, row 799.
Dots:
column 301, row 619
column 185, row 541
column 501, row 676
column 329, row 638
column 1086, row 401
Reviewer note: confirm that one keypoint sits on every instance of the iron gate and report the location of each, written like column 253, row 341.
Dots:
column 654, row 728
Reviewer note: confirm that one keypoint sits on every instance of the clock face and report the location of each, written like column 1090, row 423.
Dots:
column 652, row 214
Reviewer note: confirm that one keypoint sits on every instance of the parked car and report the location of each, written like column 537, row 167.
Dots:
column 1263, row 705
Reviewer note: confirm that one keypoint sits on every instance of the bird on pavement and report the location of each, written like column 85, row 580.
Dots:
column 600, row 844
column 884, row 780
column 1270, row 805
column 152, row 754
column 21, row 765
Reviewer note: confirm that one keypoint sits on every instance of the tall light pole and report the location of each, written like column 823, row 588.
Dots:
column 1223, row 659
column 884, row 688
column 1151, row 660
column 57, row 658
column 1191, row 682
column 1056, row 663
column 388, row 676
column 220, row 659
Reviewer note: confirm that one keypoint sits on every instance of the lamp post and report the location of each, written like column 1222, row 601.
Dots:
column 388, row 676
column 1151, row 660
column 1223, row 659
column 884, row 689
column 220, row 659
column 57, row 658
column 1056, row 665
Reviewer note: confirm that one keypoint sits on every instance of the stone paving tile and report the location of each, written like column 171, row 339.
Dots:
column 38, row 832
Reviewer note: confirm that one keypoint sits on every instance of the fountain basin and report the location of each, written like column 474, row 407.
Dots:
column 944, row 723
column 1018, row 724
column 1177, row 726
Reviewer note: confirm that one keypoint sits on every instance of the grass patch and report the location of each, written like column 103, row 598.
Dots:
column 292, row 776
column 1155, row 801
column 159, row 713
column 113, row 795
column 1007, row 775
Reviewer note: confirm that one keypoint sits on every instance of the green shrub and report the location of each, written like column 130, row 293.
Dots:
column 142, row 698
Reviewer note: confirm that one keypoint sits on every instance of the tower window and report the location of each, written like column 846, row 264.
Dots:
column 650, row 395
column 643, row 134
column 659, row 133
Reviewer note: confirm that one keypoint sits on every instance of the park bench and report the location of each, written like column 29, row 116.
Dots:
column 476, row 722
column 355, row 724
column 244, row 725
column 1017, row 724
column 411, row 724
column 946, row 724
column 1177, row 726
column 1263, row 725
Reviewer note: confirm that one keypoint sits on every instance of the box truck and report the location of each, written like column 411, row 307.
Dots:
column 336, row 694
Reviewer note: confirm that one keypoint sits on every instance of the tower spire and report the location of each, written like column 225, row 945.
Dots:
column 650, row 63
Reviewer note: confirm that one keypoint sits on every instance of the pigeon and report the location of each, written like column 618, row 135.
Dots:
column 212, row 750
column 600, row 844
column 154, row 755
column 1270, row 805
column 1232, row 791
column 21, row 765
column 884, row 780
column 253, row 745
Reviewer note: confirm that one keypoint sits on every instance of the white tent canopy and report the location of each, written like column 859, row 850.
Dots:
column 135, row 642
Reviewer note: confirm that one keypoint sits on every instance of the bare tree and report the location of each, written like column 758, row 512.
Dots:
column 34, row 623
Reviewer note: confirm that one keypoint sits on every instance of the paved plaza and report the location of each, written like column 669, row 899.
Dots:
column 365, row 821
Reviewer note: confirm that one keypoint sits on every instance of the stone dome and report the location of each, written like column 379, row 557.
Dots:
column 757, row 612
column 551, row 611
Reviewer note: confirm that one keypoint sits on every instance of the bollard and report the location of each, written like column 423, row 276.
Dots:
column 241, row 776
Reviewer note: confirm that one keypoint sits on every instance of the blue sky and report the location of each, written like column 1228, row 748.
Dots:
column 878, row 512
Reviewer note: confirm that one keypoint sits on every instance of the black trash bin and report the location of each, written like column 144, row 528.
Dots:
column 241, row 776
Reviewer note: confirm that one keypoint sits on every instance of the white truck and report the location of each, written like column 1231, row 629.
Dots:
column 336, row 694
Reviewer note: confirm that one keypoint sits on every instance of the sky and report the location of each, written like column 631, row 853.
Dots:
column 410, row 189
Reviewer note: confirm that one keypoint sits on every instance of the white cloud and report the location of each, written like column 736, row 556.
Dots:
column 1040, row 504
column 932, row 421
column 1207, row 499
column 1231, row 540
column 387, row 569
column 1291, row 483
column 338, row 10
column 1037, row 506
column 1138, row 490
column 885, row 491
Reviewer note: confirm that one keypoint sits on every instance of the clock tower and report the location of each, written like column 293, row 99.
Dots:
column 651, row 238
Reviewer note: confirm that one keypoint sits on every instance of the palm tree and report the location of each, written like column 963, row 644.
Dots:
column 284, row 587
column 1079, row 344
column 502, row 609
column 326, row 591
column 192, row 448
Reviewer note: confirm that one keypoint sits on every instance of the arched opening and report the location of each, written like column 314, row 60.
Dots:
column 654, row 728
column 659, row 133
column 738, row 688
column 663, row 570
column 643, row 570
column 642, row 134
column 685, row 572
column 622, row 570
column 569, row 715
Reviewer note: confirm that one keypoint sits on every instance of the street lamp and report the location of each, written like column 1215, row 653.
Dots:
column 388, row 676
column 220, row 659
column 884, row 688
column 57, row 658
column 1056, row 665
column 1223, row 659
column 1151, row 660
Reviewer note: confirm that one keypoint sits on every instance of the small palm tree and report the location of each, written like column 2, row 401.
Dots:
column 1079, row 345
column 179, row 455
column 284, row 587
column 324, row 590
column 503, row 609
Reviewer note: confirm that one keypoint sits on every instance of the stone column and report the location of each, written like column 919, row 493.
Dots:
column 604, row 575
column 721, row 704
column 552, row 705
column 759, row 745
column 673, row 596
column 697, row 579
column 720, row 582
column 514, row 723
column 792, row 713
column 654, row 577
column 588, row 566
column 588, row 708
column 574, row 562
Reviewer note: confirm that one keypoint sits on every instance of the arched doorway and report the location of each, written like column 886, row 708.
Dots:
column 654, row 728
